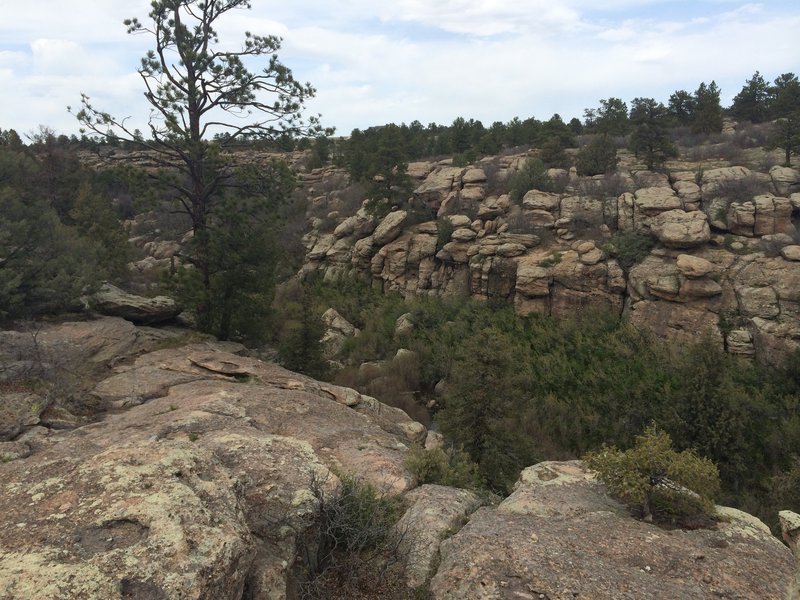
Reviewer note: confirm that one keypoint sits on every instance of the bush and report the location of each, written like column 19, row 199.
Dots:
column 450, row 467
column 444, row 231
column 629, row 247
column 656, row 479
column 357, row 550
column 598, row 157
column 532, row 176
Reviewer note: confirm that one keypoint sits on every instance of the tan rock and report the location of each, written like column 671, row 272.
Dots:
column 320, row 249
column 112, row 301
column 519, row 550
column 740, row 343
column 785, row 179
column 592, row 257
column 390, row 228
column 772, row 215
column 694, row 266
column 679, row 229
column 538, row 200
column 511, row 249
column 463, row 235
column 419, row 169
column 460, row 221
column 692, row 289
column 758, row 302
column 473, row 175
column 434, row 512
column 654, row 200
column 791, row 253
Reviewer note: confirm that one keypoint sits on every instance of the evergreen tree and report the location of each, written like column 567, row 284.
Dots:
column 707, row 114
column 196, row 86
column 598, row 157
column 752, row 102
column 785, row 109
column 681, row 107
column 650, row 138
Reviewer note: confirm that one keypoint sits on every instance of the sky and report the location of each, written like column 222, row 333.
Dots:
column 379, row 61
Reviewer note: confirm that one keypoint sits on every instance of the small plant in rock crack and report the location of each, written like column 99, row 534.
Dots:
column 356, row 551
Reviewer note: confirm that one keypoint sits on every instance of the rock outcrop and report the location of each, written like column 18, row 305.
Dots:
column 198, row 489
column 548, row 254
column 111, row 301
column 202, row 478
column 560, row 536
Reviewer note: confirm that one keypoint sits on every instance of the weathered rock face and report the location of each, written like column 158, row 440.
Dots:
column 200, row 491
column 560, row 536
column 546, row 255
column 201, row 485
column 112, row 301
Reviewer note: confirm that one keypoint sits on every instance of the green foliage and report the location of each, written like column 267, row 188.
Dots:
column 452, row 467
column 48, row 261
column 299, row 346
column 752, row 102
column 479, row 402
column 237, row 250
column 681, row 107
column 598, row 157
column 656, row 479
column 357, row 549
column 650, row 138
column 553, row 155
column 629, row 247
column 610, row 119
column 197, row 85
column 532, row 176
column 444, row 232
column 707, row 112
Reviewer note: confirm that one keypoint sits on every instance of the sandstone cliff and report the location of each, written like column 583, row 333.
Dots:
column 726, row 259
column 192, row 479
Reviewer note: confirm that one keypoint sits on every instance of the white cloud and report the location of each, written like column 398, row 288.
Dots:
column 376, row 61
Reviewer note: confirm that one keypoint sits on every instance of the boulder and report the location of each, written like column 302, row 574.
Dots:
column 463, row 234
column 521, row 550
column 210, row 478
column 434, row 512
column 772, row 215
column 390, row 228
column 654, row 200
column 679, row 229
column 694, row 266
column 111, row 301
column 473, row 176
column 537, row 200
column 785, row 179
column 791, row 253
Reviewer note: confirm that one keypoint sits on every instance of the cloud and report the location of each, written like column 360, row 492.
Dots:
column 433, row 60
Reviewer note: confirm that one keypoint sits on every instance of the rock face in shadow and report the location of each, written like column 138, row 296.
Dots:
column 559, row 536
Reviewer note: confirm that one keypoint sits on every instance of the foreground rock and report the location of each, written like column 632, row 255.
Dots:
column 560, row 537
column 200, row 491
column 112, row 301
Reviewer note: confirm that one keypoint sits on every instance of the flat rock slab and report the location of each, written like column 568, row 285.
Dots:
column 569, row 540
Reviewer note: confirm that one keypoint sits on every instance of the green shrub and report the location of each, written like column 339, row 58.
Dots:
column 656, row 479
column 629, row 247
column 532, row 176
column 450, row 467
column 444, row 231
column 598, row 157
column 357, row 548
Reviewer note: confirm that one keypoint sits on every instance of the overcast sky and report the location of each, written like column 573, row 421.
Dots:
column 380, row 61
